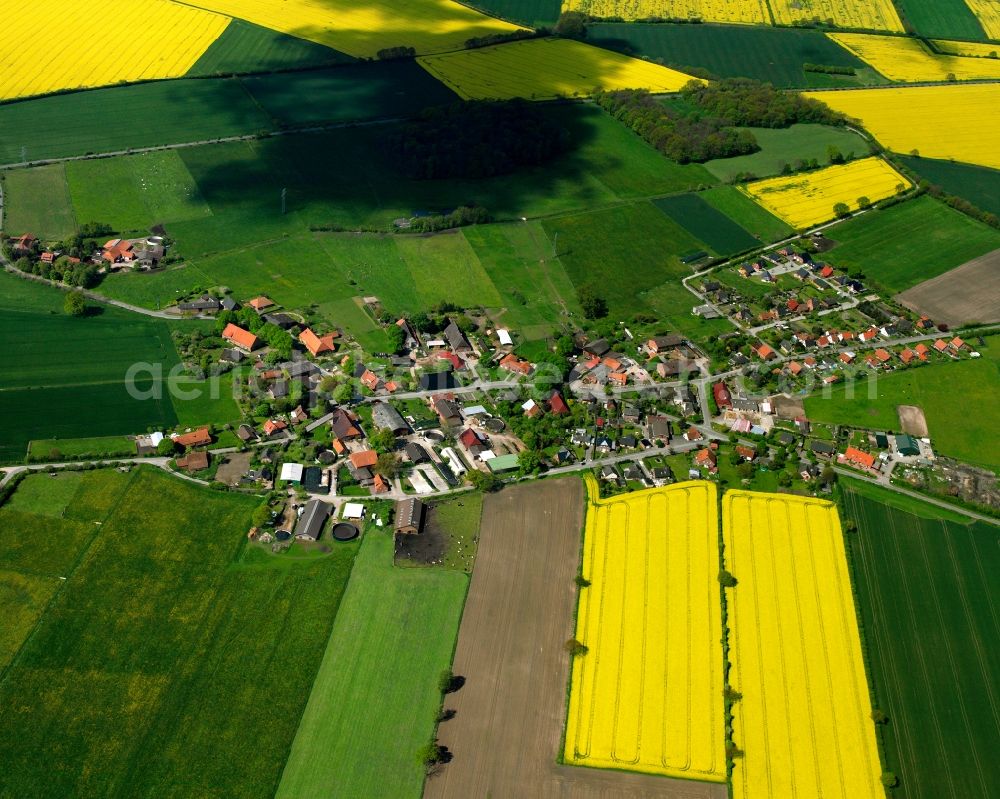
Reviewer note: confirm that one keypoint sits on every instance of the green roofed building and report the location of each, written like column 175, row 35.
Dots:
column 907, row 445
column 503, row 463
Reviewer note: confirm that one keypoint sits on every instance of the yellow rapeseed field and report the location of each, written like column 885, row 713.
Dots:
column 737, row 11
column 959, row 122
column 878, row 15
column 988, row 12
column 50, row 45
column 907, row 59
column 648, row 695
column 545, row 68
column 807, row 199
column 804, row 720
column 972, row 49
column 363, row 28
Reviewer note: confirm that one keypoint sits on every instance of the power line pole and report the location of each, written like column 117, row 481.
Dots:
column 284, row 201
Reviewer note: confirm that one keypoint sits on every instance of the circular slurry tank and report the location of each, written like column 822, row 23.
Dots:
column 283, row 535
column 344, row 531
column 495, row 424
column 434, row 435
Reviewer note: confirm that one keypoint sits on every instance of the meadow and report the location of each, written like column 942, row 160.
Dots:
column 647, row 695
column 746, row 213
column 52, row 449
column 803, row 722
column 781, row 147
column 943, row 18
column 631, row 255
column 375, row 698
column 979, row 185
column 807, row 199
column 910, row 60
column 429, row 26
column 729, row 51
column 542, row 69
column 73, row 53
column 187, row 659
column 182, row 111
column 703, row 221
column 244, row 47
column 949, row 122
column 908, row 243
column 954, row 431
column 921, row 580
column 43, row 204
column 749, row 12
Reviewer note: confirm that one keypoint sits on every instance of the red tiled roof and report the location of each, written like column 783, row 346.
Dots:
column 940, row 345
column 858, row 457
column 764, row 351
column 557, row 404
column 196, row 438
column 239, row 336
column 512, row 363
column 380, row 485
column 317, row 344
column 619, row 377
column 272, row 426
column 469, row 438
column 260, row 303
column 451, row 357
column 794, row 367
column 366, row 457
column 370, row 379
column 883, row 355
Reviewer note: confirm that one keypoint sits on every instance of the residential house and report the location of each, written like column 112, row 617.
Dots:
column 531, row 408
column 228, row 304
column 921, row 351
column 941, row 345
column 675, row 367
column 369, row 380
column 512, row 363
column 957, row 344
column 261, row 304
column 448, row 412
column 660, row 344
column 693, row 434
column 243, row 339
column 343, row 423
column 658, row 427
column 196, row 438
column 201, row 304
column 273, row 426
column 882, row 356
column 557, row 405
column 822, row 449
column 748, row 453
column 299, row 415
column 363, row 459
column 193, row 461
column 246, row 433
column 23, row 245
column 706, row 459
column 764, row 352
column 855, row 457
column 618, row 378
column 437, row 381
column 118, row 251
column 317, row 345
column 723, row 399
column 907, row 355
column 794, row 368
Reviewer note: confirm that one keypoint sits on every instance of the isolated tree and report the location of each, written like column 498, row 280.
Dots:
column 483, row 481
column 889, row 779
column 841, row 209
column 166, row 448
column 74, row 304
column 575, row 647
column 396, row 337
column 864, row 202
column 594, row 306
column 343, row 393
column 726, row 579
column 382, row 440
column 388, row 465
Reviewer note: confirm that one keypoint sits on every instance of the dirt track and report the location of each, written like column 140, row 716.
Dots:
column 509, row 719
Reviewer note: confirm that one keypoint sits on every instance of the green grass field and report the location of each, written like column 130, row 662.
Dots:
column 52, row 449
column 943, row 19
column 746, row 213
column 164, row 652
column 909, row 243
column 66, row 377
column 244, row 47
column 706, row 223
column 42, row 205
column 946, row 392
column 536, row 13
column 631, row 255
column 927, row 601
column 175, row 111
column 781, row 146
column 445, row 267
column 729, row 51
column 903, row 502
column 977, row 184
column 375, row 698
column 135, row 192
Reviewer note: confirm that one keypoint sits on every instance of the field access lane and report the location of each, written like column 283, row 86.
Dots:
column 510, row 713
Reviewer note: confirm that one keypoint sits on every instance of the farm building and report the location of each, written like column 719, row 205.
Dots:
column 907, row 444
column 386, row 417
column 504, row 463
column 291, row 472
column 409, row 516
column 310, row 524
column 260, row 304
column 317, row 345
column 243, row 339
column 196, row 438
column 456, row 338
column 193, row 461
